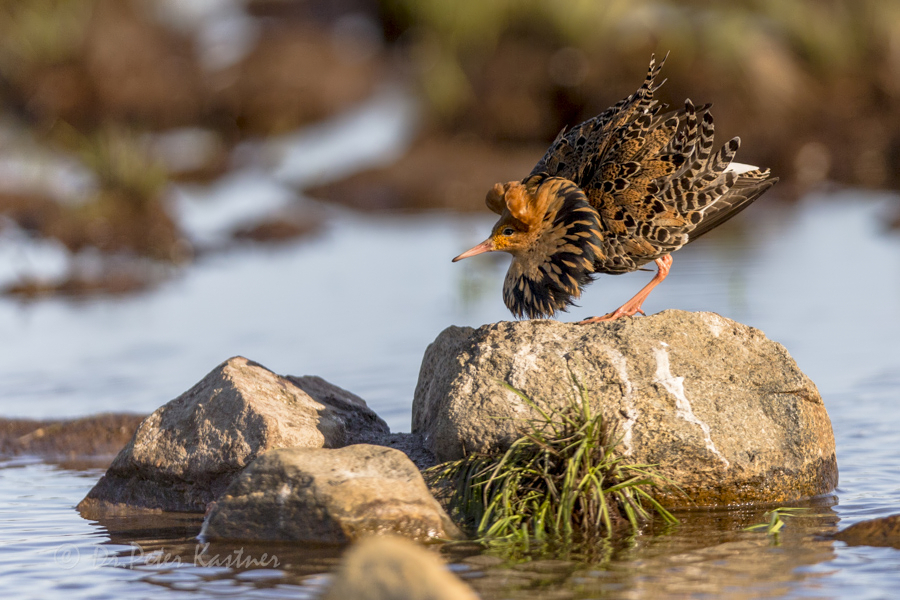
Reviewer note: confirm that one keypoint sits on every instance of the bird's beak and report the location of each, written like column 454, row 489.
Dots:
column 485, row 246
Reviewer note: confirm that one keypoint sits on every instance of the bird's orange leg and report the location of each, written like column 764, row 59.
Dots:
column 633, row 306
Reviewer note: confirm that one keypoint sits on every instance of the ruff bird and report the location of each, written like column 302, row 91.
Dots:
column 621, row 190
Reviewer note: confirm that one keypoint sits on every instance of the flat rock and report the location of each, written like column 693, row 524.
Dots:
column 391, row 568
column 874, row 532
column 188, row 451
column 328, row 496
column 724, row 411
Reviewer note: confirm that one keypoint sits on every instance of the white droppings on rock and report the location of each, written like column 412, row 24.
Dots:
column 675, row 386
column 618, row 361
column 516, row 403
column 468, row 385
column 524, row 361
column 284, row 492
column 716, row 325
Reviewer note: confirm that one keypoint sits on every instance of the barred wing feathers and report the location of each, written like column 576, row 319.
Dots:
column 652, row 176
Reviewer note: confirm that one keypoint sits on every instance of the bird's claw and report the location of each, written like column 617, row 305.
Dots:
column 623, row 311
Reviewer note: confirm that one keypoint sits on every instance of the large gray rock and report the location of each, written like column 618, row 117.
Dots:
column 187, row 452
column 391, row 568
column 724, row 411
column 328, row 496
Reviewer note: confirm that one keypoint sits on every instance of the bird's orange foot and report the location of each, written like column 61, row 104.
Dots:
column 622, row 311
column 633, row 306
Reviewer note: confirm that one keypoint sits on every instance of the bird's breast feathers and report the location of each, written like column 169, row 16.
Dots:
column 549, row 274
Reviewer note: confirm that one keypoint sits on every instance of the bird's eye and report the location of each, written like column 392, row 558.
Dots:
column 508, row 231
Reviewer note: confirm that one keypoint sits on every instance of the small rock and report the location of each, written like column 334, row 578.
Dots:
column 328, row 496
column 875, row 532
column 391, row 568
column 277, row 229
column 95, row 437
column 724, row 411
column 188, row 451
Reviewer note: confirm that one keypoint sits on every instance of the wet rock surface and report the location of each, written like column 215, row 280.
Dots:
column 189, row 450
column 328, row 496
column 875, row 532
column 724, row 411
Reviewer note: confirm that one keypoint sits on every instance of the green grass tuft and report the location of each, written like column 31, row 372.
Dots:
column 561, row 482
column 776, row 521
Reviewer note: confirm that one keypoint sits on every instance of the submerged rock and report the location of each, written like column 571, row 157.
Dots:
column 724, row 411
column 189, row 450
column 328, row 496
column 391, row 568
column 874, row 532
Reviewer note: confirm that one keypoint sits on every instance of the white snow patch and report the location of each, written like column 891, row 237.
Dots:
column 675, row 386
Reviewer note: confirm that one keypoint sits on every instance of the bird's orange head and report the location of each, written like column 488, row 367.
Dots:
column 520, row 217
column 553, row 233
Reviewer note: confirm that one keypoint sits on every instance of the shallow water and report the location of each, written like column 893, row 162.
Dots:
column 358, row 304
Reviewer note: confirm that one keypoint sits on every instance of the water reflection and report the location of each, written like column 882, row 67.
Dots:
column 707, row 555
